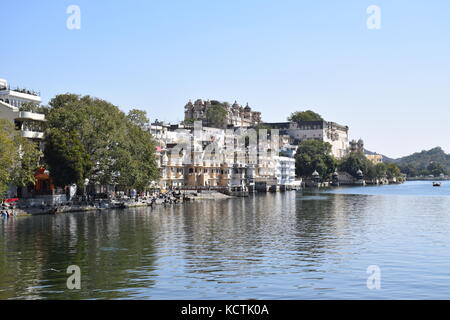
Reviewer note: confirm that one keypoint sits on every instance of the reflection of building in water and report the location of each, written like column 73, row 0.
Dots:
column 233, row 234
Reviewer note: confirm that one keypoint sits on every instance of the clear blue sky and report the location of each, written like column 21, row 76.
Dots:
column 391, row 86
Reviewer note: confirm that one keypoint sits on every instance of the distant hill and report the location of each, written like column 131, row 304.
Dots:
column 427, row 162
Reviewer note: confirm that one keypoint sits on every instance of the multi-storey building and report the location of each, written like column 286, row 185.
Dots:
column 197, row 157
column 331, row 132
column 285, row 171
column 236, row 115
column 11, row 102
column 30, row 125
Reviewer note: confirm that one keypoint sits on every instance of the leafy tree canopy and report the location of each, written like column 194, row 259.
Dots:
column 105, row 145
column 307, row 115
column 216, row 116
column 314, row 155
column 358, row 161
column 138, row 117
column 19, row 158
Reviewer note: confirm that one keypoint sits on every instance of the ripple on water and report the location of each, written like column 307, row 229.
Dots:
column 295, row 245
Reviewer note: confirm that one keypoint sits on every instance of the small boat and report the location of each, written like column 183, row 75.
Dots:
column 436, row 184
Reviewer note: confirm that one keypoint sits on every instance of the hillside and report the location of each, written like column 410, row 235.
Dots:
column 428, row 162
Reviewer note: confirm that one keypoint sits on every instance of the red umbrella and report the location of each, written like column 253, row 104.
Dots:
column 11, row 200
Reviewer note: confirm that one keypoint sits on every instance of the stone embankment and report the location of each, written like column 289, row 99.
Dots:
column 163, row 199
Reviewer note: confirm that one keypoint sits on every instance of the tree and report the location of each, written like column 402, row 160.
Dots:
column 109, row 148
column 314, row 155
column 19, row 158
column 33, row 107
column 436, row 169
column 356, row 161
column 307, row 115
column 393, row 171
column 139, row 118
column 7, row 155
column 381, row 170
column 216, row 116
column 67, row 158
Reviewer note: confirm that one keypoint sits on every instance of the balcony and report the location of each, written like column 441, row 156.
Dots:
column 27, row 115
column 32, row 134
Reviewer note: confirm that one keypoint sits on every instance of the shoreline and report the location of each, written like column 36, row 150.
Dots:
column 117, row 204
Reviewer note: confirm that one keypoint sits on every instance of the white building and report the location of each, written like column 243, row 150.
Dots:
column 212, row 157
column 331, row 132
column 30, row 125
column 11, row 101
column 285, row 171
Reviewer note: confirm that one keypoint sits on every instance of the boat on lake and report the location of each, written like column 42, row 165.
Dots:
column 436, row 184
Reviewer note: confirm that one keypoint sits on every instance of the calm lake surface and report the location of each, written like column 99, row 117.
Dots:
column 293, row 245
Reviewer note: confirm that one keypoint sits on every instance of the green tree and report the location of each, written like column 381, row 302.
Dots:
column 7, row 155
column 314, row 155
column 216, row 116
column 381, row 170
column 436, row 169
column 356, row 161
column 66, row 158
column 19, row 158
column 138, row 117
column 393, row 171
column 307, row 115
column 118, row 149
column 33, row 107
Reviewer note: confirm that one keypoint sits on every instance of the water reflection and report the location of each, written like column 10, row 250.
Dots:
column 284, row 245
column 36, row 252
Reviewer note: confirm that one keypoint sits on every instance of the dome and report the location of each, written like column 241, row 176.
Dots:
column 315, row 173
column 235, row 104
column 359, row 172
column 247, row 108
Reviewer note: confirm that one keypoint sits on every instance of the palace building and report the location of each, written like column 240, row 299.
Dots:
column 236, row 115
column 326, row 131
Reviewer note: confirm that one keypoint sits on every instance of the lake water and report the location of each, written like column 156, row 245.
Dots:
column 292, row 245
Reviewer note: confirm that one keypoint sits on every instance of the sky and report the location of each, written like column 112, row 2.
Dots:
column 391, row 85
